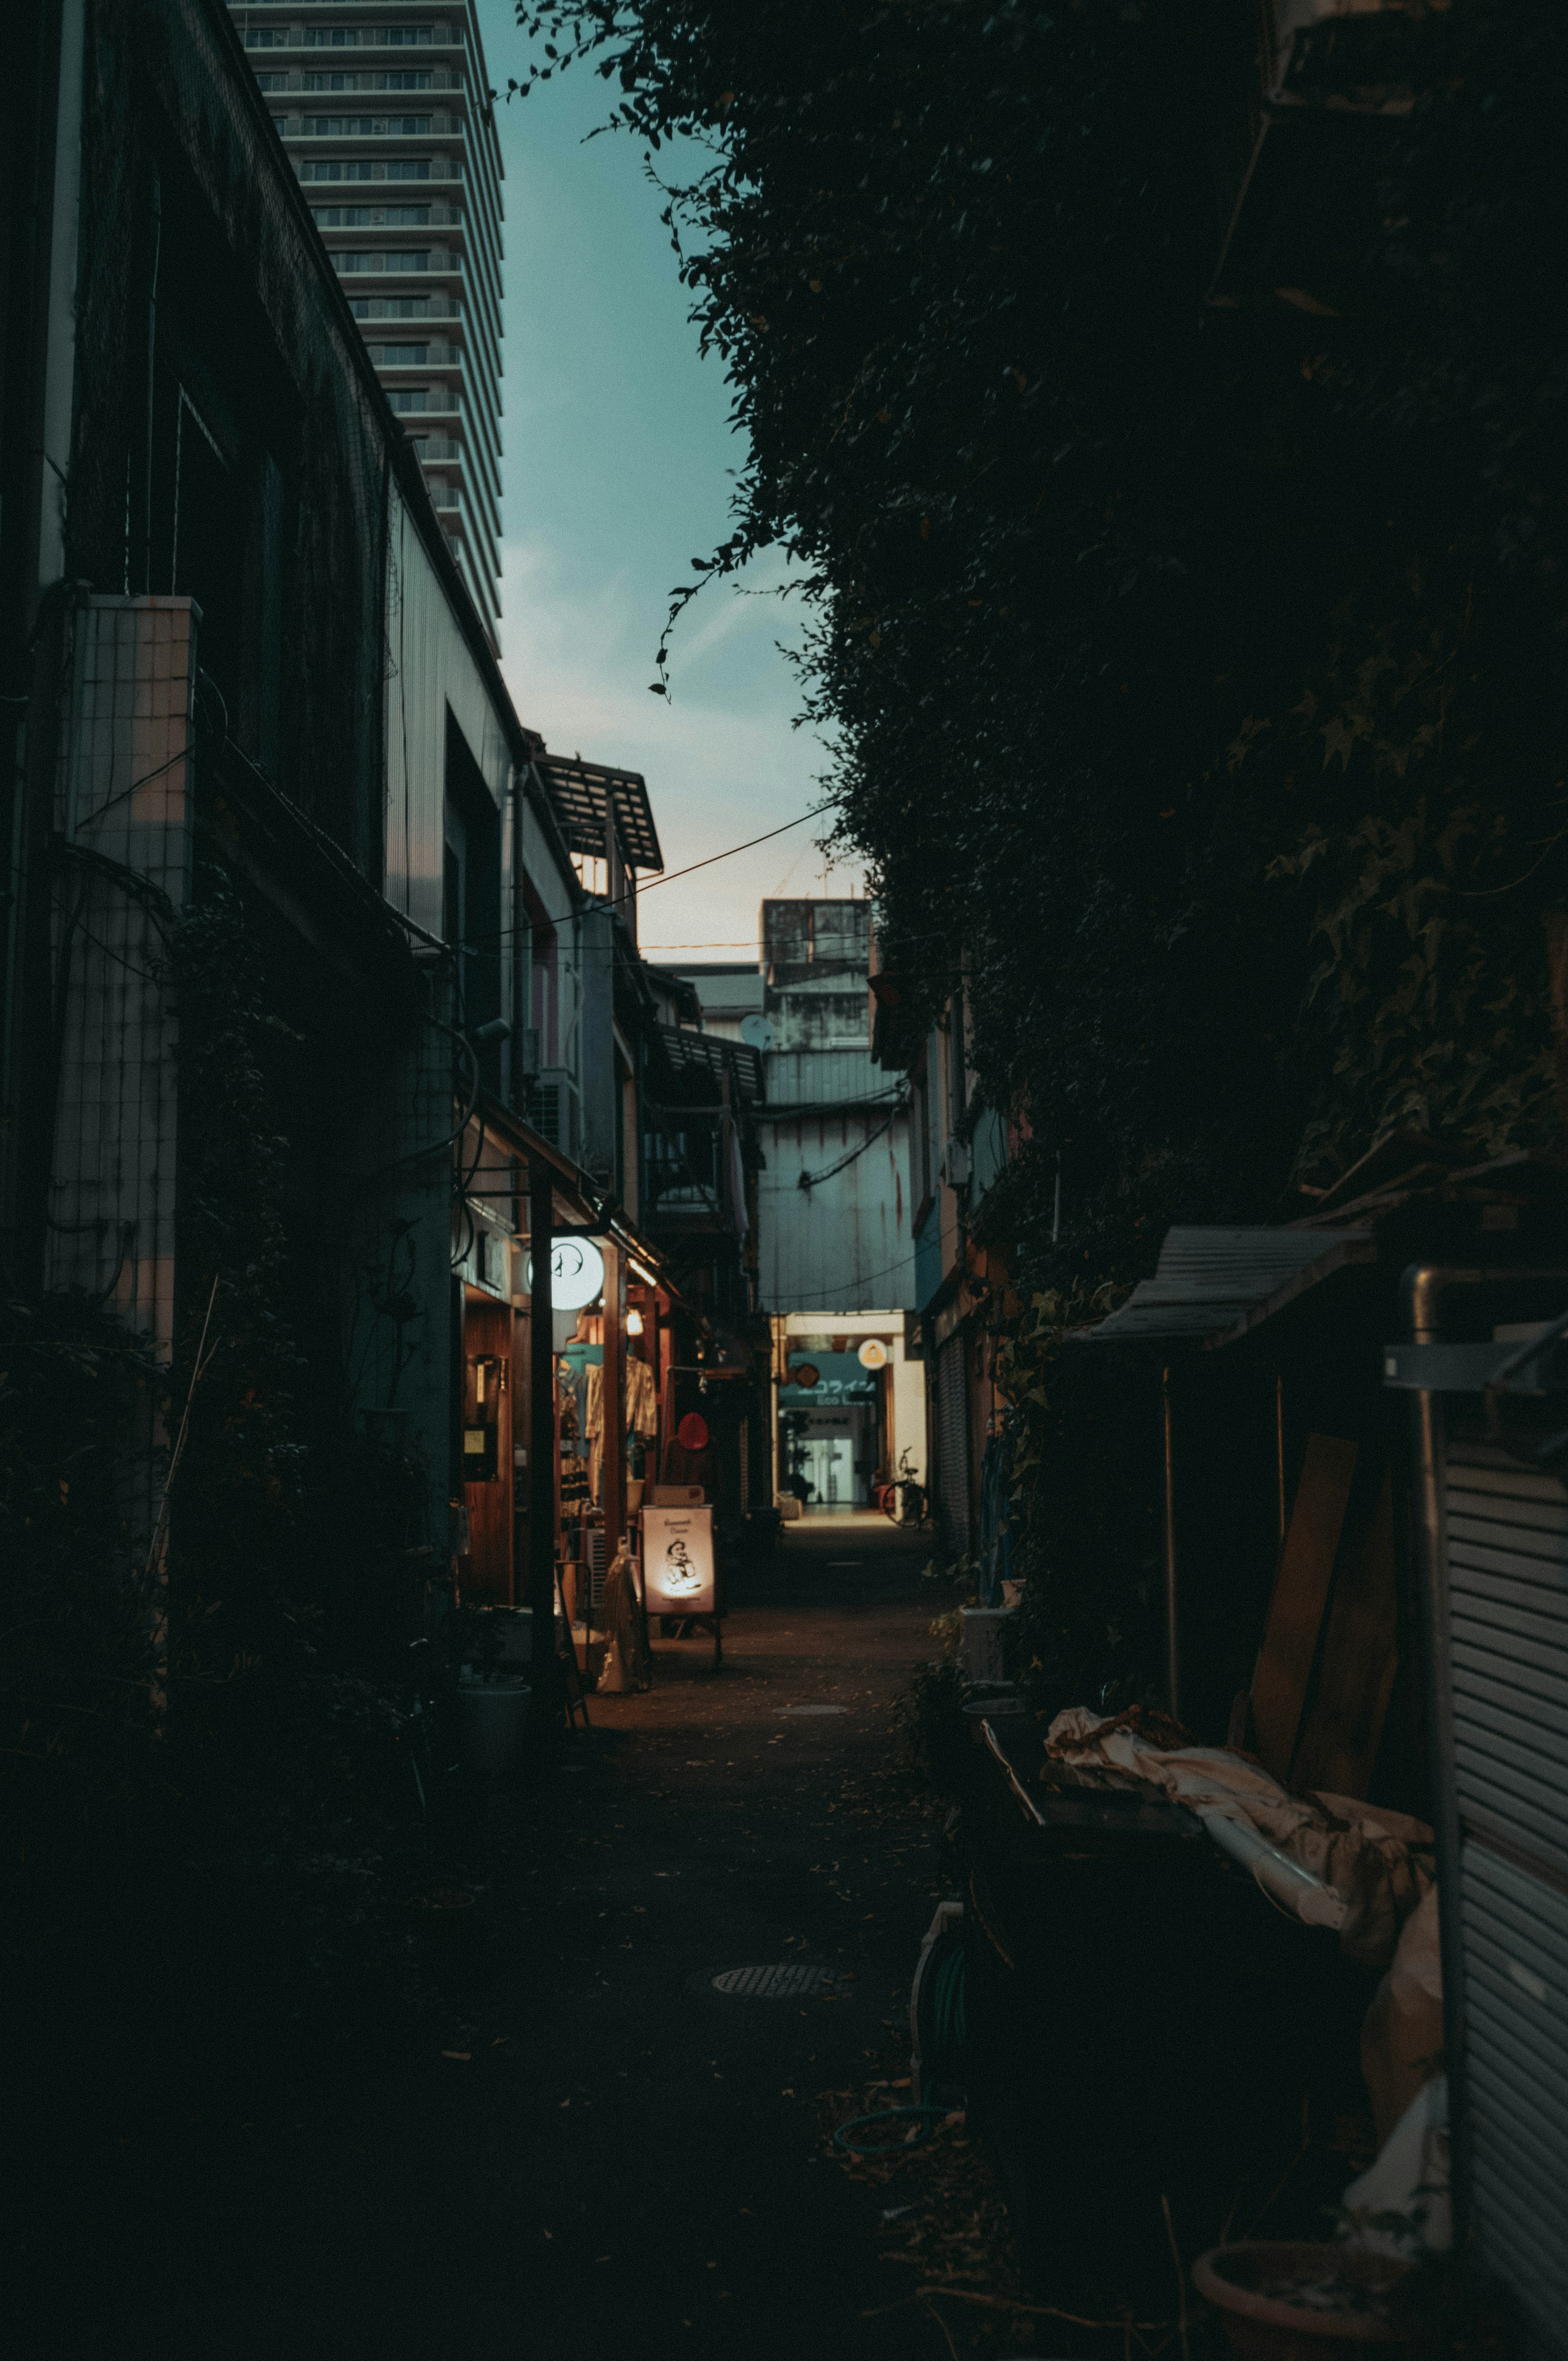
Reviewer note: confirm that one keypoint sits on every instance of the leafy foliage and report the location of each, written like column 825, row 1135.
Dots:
column 1099, row 583
column 1198, row 672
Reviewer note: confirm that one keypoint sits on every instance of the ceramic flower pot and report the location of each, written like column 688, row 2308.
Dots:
column 1289, row 2300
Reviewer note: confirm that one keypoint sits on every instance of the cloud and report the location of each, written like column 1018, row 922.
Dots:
column 721, row 758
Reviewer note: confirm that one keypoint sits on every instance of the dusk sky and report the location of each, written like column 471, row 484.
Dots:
column 617, row 473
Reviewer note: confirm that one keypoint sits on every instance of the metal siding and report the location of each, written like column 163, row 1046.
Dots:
column 1506, row 1552
column 844, row 1246
column 1507, row 1590
column 952, row 1444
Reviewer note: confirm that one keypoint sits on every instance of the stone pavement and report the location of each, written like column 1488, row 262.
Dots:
column 616, row 2160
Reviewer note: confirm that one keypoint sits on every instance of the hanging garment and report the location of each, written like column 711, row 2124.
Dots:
column 593, row 1425
column 642, row 1400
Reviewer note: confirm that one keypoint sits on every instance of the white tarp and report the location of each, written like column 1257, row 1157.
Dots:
column 1329, row 1860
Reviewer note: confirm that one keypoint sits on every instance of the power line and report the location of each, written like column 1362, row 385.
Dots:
column 613, row 902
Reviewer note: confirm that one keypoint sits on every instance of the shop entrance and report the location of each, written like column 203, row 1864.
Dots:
column 833, row 1459
column 487, row 1447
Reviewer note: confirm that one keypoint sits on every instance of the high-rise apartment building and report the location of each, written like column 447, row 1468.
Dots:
column 384, row 107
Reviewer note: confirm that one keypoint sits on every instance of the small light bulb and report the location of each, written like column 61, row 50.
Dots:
column 634, row 1322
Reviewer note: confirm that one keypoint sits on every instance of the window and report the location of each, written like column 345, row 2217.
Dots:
column 408, row 126
column 336, row 171
column 407, row 398
column 420, row 261
column 407, row 307
column 350, row 263
column 408, row 81
column 332, row 82
column 270, row 39
column 336, row 126
column 405, row 37
column 410, row 167
column 400, row 356
column 272, row 81
column 412, row 213
column 332, row 36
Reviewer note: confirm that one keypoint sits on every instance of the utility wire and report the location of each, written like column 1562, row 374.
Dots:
column 815, row 1179
column 613, row 902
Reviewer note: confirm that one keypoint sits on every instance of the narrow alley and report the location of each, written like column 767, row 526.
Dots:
column 592, row 2151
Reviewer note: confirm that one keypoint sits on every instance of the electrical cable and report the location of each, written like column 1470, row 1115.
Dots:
column 613, row 902
column 436, row 1147
column 814, row 1180
column 931, row 2117
column 942, row 2022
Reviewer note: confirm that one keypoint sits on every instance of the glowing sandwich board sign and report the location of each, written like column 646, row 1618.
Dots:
column 677, row 1561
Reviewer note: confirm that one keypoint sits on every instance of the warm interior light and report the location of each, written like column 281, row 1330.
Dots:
column 645, row 1276
column 634, row 1322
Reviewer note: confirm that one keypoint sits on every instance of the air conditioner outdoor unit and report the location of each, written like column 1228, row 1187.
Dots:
column 956, row 1163
column 551, row 1106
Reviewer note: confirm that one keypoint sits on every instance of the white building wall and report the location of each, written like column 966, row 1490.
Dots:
column 431, row 669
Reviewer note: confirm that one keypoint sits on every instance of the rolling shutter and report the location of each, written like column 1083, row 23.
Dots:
column 1505, row 1550
column 952, row 1444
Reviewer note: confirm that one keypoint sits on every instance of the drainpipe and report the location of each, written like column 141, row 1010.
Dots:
column 140, row 569
column 541, row 1496
column 1172, row 1627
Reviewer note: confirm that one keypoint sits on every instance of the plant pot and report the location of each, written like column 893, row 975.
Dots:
column 1277, row 2299
column 492, row 1722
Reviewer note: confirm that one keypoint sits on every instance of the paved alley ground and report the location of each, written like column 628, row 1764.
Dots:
column 616, row 2161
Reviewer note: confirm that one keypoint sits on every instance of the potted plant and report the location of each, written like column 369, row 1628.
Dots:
column 1284, row 2299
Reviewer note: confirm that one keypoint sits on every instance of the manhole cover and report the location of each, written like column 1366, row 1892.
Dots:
column 775, row 1983
column 811, row 1708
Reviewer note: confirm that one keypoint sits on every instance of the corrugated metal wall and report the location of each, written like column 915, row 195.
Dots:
column 843, row 1245
column 953, row 1483
column 1507, row 1566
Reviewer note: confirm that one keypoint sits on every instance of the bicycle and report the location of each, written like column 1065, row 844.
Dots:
column 904, row 1501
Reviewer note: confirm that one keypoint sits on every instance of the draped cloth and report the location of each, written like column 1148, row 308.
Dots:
column 626, row 1662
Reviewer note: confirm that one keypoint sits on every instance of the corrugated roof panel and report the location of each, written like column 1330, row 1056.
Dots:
column 1215, row 1282
column 584, row 793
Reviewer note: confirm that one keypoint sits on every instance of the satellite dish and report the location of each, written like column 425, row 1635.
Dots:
column 757, row 1033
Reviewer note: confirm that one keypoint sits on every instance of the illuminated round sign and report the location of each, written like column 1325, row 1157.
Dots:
column 577, row 1274
column 874, row 1354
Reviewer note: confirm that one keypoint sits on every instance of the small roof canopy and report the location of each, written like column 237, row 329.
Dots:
column 585, row 794
column 1213, row 1286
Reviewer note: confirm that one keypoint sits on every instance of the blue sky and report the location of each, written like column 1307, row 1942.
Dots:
column 618, row 457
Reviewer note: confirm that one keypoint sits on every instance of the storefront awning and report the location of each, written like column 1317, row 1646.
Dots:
column 1213, row 1286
